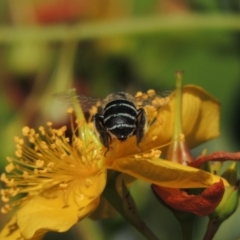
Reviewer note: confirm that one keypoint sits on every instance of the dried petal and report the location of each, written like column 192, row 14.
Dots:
column 200, row 205
column 220, row 156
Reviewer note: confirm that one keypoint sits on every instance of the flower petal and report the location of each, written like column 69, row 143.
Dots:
column 11, row 231
column 200, row 205
column 165, row 173
column 216, row 156
column 40, row 213
column 57, row 209
column 200, row 117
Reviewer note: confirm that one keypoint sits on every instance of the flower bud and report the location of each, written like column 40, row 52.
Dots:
column 228, row 204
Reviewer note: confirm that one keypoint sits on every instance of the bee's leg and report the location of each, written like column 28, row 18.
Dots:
column 140, row 125
column 103, row 134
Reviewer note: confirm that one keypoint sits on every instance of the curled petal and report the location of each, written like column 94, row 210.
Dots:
column 200, row 205
column 216, row 156
column 200, row 117
column 165, row 173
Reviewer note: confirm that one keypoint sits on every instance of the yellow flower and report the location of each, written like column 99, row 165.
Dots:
column 60, row 179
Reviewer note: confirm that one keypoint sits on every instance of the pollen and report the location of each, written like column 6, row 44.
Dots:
column 88, row 182
column 154, row 138
column 63, row 186
column 70, row 111
column 138, row 95
column 137, row 156
column 6, row 208
column 154, row 153
column 93, row 110
column 49, row 124
column 151, row 92
column 181, row 137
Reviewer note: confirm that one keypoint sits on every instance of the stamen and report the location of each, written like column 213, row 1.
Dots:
column 51, row 161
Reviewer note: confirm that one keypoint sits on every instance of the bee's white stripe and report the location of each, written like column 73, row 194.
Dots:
column 120, row 115
column 120, row 104
column 122, row 125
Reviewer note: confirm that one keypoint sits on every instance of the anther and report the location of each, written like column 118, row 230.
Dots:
column 25, row 131
column 151, row 92
column 9, row 167
column 39, row 163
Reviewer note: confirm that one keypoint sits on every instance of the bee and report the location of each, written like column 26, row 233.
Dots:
column 120, row 119
column 121, row 115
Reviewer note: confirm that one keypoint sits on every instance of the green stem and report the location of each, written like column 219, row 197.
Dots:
column 112, row 196
column 186, row 221
column 98, row 29
column 212, row 228
column 178, row 106
column 186, row 227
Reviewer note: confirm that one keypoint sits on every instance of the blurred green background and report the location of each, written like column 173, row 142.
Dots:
column 99, row 47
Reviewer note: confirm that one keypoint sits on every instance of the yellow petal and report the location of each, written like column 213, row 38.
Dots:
column 58, row 210
column 165, row 173
column 200, row 118
column 202, row 113
column 12, row 232
column 40, row 213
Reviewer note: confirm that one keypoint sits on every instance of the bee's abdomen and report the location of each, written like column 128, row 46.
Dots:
column 120, row 118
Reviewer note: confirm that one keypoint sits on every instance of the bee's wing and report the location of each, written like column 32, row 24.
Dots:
column 86, row 102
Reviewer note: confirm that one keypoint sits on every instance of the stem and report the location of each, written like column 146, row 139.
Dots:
column 186, row 227
column 212, row 228
column 112, row 196
column 178, row 106
column 143, row 25
column 186, row 221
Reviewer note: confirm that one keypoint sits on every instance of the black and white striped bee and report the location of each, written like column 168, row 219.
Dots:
column 120, row 119
column 121, row 115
